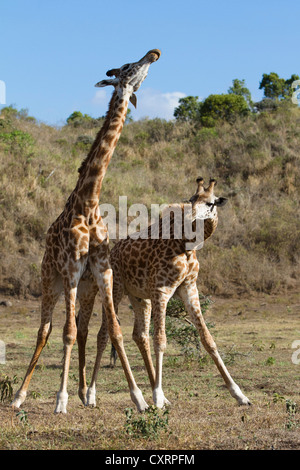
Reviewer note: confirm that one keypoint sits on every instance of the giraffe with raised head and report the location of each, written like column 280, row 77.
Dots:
column 151, row 271
column 78, row 239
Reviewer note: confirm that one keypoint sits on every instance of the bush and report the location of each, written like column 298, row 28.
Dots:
column 148, row 425
column 222, row 107
column 77, row 119
column 181, row 330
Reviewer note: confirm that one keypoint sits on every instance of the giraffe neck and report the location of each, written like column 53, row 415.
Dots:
column 93, row 168
column 210, row 226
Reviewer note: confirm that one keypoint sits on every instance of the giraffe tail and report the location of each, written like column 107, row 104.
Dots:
column 113, row 353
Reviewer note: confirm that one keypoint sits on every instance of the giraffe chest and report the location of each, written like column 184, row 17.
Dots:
column 71, row 236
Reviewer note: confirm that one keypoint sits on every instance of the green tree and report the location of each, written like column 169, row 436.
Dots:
column 129, row 117
column 275, row 87
column 188, row 109
column 222, row 107
column 239, row 88
column 77, row 119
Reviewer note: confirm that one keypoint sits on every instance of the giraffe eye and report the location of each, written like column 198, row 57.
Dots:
column 125, row 67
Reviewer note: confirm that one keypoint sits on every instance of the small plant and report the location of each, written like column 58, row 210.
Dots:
column 270, row 361
column 35, row 395
column 277, row 398
column 23, row 417
column 149, row 424
column 291, row 409
column 6, row 387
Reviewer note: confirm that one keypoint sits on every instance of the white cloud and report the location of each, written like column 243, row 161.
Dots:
column 150, row 103
column 100, row 98
column 153, row 103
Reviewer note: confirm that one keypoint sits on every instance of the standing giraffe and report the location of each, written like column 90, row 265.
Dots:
column 150, row 271
column 78, row 239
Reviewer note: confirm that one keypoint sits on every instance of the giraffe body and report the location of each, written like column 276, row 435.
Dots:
column 78, row 240
column 151, row 271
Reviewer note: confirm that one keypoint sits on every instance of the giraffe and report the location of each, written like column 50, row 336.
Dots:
column 78, row 239
column 151, row 271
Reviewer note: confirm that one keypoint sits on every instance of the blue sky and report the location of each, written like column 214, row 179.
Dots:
column 53, row 52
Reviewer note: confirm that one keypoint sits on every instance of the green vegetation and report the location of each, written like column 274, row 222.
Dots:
column 254, row 155
column 181, row 331
column 275, row 87
column 202, row 413
column 6, row 387
column 147, row 425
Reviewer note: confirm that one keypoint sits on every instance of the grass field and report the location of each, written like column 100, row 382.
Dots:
column 254, row 336
column 250, row 267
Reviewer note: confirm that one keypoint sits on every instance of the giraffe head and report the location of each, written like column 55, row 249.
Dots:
column 204, row 202
column 129, row 77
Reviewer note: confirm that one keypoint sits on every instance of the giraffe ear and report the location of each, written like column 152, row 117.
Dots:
column 221, row 201
column 113, row 72
column 106, row 82
column 133, row 100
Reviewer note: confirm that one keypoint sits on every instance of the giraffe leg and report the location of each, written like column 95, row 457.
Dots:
column 52, row 288
column 87, row 291
column 103, row 335
column 140, row 335
column 69, row 338
column 104, row 280
column 102, row 339
column 159, row 305
column 190, row 296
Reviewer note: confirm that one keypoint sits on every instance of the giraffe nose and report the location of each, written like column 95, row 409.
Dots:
column 152, row 56
column 156, row 53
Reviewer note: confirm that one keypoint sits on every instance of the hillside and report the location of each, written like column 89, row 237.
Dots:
column 256, row 161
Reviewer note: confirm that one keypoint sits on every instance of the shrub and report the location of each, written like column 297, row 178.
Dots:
column 148, row 425
column 222, row 107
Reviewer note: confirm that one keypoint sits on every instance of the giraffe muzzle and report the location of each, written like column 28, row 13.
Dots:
column 152, row 55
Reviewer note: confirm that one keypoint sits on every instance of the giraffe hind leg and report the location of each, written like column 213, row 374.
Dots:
column 190, row 296
column 159, row 305
column 87, row 291
column 104, row 279
column 52, row 288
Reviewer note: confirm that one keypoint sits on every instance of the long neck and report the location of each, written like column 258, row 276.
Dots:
column 93, row 168
column 210, row 226
column 177, row 223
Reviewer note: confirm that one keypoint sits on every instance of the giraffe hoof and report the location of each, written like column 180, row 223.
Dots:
column 138, row 400
column 159, row 399
column 18, row 399
column 239, row 396
column 82, row 395
column 91, row 398
column 61, row 403
column 245, row 402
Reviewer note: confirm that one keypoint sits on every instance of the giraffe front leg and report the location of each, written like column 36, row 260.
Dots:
column 69, row 338
column 159, row 305
column 104, row 279
column 190, row 296
column 87, row 291
column 142, row 317
column 102, row 339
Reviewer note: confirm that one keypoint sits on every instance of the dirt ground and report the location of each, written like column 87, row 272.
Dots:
column 254, row 336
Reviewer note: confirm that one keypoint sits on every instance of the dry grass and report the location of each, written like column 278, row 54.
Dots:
column 254, row 252
column 256, row 162
column 203, row 415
